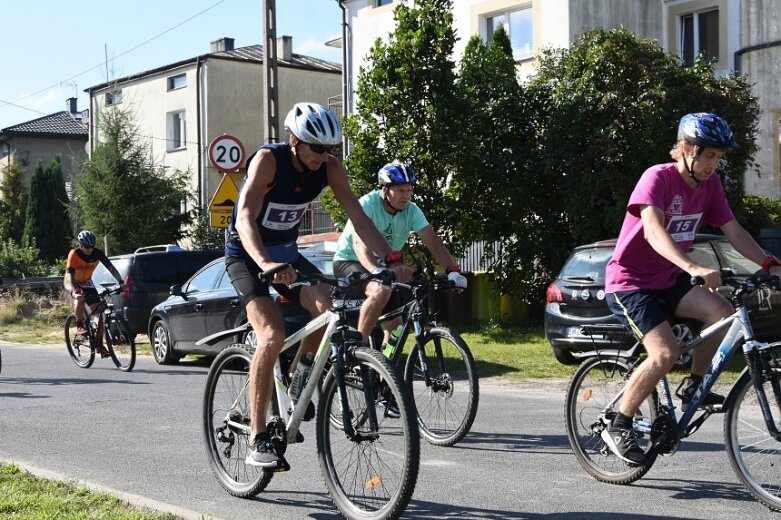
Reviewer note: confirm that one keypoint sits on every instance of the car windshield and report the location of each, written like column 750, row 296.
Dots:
column 587, row 264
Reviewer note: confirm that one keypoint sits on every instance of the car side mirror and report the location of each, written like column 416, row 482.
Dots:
column 176, row 290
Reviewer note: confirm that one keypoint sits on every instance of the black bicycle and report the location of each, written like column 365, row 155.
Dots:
column 439, row 368
column 104, row 324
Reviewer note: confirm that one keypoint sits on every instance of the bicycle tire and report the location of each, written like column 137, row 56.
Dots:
column 79, row 348
column 121, row 344
column 372, row 478
column 594, row 384
column 227, row 451
column 447, row 407
column 753, row 452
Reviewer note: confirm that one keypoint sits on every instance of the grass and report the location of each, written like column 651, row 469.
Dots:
column 26, row 497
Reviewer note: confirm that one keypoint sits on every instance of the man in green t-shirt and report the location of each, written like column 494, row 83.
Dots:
column 395, row 215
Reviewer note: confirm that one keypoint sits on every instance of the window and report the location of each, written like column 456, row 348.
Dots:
column 700, row 35
column 177, row 82
column 380, row 3
column 518, row 26
column 114, row 97
column 177, row 137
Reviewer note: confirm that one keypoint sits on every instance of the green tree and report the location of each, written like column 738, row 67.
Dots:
column 35, row 215
column 59, row 232
column 505, row 200
column 204, row 236
column 406, row 110
column 13, row 200
column 614, row 106
column 123, row 194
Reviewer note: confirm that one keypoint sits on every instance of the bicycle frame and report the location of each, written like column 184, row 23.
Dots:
column 739, row 332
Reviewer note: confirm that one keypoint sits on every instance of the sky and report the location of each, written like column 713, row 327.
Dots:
column 54, row 50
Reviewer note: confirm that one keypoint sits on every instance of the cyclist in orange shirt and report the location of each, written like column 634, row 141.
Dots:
column 81, row 263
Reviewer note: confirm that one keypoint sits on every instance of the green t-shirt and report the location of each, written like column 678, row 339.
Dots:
column 395, row 228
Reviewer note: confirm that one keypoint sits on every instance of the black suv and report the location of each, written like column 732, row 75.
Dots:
column 148, row 274
column 577, row 298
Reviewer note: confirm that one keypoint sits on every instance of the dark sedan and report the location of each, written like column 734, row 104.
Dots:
column 577, row 298
column 208, row 303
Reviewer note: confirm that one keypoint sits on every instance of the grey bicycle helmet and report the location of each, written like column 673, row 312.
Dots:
column 706, row 130
column 87, row 238
column 314, row 124
column 396, row 173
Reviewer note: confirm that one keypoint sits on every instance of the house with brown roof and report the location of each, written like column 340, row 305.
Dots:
column 180, row 108
column 62, row 134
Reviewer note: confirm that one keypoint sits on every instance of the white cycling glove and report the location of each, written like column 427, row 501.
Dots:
column 458, row 279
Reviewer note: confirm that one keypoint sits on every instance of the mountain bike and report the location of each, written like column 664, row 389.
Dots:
column 369, row 461
column 102, row 324
column 439, row 369
column 752, row 407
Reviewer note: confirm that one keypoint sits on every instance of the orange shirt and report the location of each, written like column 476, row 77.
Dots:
column 82, row 265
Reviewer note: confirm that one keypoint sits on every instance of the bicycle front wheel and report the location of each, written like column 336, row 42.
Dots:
column 446, row 391
column 371, row 473
column 593, row 386
column 752, row 450
column 121, row 344
column 226, row 424
column 78, row 346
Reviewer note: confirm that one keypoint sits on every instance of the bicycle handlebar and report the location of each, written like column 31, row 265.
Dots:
column 384, row 276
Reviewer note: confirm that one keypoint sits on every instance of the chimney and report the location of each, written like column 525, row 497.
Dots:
column 223, row 44
column 71, row 104
column 285, row 48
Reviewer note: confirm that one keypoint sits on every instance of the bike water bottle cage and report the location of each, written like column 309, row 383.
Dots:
column 769, row 262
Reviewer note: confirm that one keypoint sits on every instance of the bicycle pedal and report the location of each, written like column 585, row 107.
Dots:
column 282, row 466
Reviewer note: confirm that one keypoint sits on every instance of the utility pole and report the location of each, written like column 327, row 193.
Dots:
column 270, row 85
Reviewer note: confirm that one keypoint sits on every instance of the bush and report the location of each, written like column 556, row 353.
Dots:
column 760, row 212
column 19, row 261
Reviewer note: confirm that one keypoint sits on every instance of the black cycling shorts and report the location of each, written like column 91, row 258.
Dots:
column 243, row 274
column 343, row 268
column 641, row 310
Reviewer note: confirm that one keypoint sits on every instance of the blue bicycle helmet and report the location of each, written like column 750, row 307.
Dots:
column 706, row 130
column 87, row 238
column 396, row 173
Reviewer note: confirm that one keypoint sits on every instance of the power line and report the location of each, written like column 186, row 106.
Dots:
column 5, row 103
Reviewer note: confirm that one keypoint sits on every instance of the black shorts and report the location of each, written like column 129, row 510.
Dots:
column 343, row 268
column 243, row 274
column 641, row 310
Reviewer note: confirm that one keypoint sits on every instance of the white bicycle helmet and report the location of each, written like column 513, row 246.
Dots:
column 314, row 124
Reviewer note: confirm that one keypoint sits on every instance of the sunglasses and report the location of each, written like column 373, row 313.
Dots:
column 85, row 246
column 319, row 148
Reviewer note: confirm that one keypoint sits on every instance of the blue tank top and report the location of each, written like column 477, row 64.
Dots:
column 285, row 203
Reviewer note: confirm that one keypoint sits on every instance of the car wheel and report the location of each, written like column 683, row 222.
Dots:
column 250, row 339
column 564, row 357
column 162, row 345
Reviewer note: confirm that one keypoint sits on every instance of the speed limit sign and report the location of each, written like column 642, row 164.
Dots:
column 226, row 153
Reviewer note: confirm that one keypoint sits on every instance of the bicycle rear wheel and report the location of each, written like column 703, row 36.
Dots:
column 78, row 346
column 447, row 401
column 121, row 344
column 595, row 383
column 753, row 452
column 371, row 475
column 226, row 424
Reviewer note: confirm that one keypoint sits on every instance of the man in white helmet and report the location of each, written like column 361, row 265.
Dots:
column 282, row 179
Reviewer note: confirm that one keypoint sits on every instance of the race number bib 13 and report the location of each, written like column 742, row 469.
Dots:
column 283, row 216
column 683, row 227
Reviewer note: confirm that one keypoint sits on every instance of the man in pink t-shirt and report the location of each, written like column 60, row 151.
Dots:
column 648, row 279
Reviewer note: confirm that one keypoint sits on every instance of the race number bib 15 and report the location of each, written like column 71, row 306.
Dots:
column 683, row 227
column 283, row 216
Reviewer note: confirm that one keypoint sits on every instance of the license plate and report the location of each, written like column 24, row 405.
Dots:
column 578, row 331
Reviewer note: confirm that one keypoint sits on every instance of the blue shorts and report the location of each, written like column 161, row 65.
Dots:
column 642, row 310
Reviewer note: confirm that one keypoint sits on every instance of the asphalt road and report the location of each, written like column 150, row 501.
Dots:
column 139, row 433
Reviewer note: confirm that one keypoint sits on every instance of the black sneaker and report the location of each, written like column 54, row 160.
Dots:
column 623, row 443
column 261, row 452
column 686, row 392
column 391, row 408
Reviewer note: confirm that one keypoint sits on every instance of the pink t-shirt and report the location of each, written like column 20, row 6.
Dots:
column 635, row 264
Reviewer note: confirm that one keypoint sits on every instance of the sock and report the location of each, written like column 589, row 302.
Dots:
column 622, row 421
